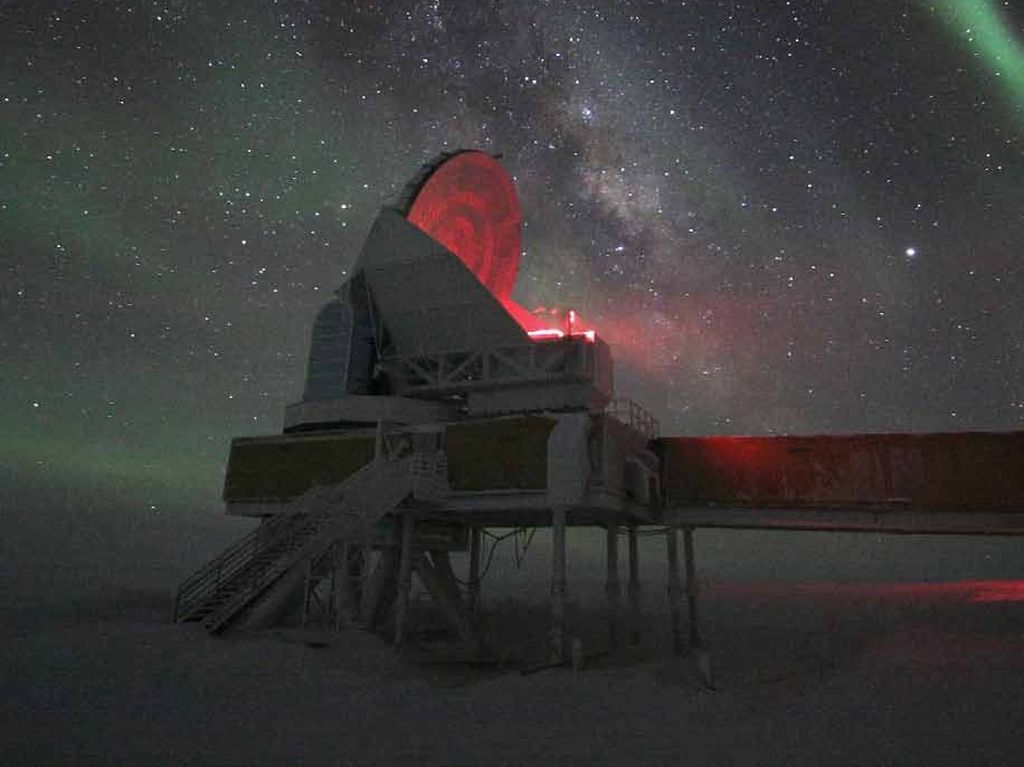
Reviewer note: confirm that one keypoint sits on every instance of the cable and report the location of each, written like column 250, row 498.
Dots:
column 495, row 540
column 520, row 554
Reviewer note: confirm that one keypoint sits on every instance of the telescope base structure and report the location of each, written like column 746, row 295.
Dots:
column 352, row 518
column 436, row 407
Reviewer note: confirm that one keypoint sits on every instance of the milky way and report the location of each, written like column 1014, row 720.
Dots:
column 784, row 216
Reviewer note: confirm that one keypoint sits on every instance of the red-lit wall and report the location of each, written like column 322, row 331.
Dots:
column 965, row 471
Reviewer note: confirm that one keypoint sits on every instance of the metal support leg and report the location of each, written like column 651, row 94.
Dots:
column 308, row 592
column 557, row 644
column 378, row 596
column 342, row 593
column 404, row 576
column 435, row 573
column 672, row 544
column 691, row 587
column 369, row 569
column 612, row 582
column 474, row 571
column 331, row 606
column 355, row 570
column 634, row 588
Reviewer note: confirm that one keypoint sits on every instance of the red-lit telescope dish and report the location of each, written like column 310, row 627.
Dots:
column 468, row 203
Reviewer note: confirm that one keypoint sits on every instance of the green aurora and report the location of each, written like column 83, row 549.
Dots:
column 988, row 35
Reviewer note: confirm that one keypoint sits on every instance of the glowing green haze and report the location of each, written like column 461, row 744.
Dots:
column 991, row 37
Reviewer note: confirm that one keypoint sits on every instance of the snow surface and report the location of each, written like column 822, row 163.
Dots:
column 94, row 673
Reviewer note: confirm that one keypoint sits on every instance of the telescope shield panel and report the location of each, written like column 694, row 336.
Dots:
column 427, row 298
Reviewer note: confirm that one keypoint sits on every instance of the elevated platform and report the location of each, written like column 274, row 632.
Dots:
column 493, row 416
column 957, row 483
column 498, row 469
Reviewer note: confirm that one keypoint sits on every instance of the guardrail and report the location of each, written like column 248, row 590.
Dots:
column 195, row 589
column 633, row 415
column 366, row 495
column 461, row 371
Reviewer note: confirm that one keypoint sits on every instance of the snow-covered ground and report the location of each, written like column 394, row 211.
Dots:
column 824, row 649
column 868, row 673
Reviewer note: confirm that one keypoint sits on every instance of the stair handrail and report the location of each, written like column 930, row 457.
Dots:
column 309, row 512
column 225, row 612
column 360, row 515
column 226, row 564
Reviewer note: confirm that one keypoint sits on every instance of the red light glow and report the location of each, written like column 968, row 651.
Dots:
column 997, row 591
column 469, row 205
column 546, row 334
column 550, row 334
column 963, row 592
column 559, row 323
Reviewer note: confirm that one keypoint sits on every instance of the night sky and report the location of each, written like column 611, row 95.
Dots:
column 796, row 216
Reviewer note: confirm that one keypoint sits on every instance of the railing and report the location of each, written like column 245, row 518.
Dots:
column 208, row 579
column 633, row 415
column 297, row 540
column 350, row 509
column 429, row 474
column 460, row 371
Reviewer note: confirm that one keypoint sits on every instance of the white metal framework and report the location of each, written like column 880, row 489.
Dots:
column 569, row 373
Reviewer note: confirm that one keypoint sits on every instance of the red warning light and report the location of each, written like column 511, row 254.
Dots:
column 558, row 323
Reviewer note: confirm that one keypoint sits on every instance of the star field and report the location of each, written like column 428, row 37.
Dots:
column 784, row 217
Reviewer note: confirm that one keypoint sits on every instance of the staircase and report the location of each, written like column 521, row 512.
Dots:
column 307, row 527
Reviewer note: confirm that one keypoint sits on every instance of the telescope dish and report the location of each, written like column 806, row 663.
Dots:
column 468, row 203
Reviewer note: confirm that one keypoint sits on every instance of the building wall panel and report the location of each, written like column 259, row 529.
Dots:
column 953, row 471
